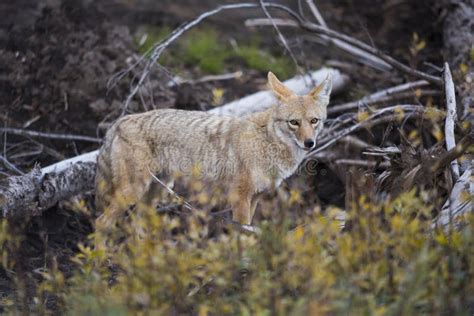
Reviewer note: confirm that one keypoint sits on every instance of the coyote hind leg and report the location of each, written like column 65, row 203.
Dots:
column 129, row 179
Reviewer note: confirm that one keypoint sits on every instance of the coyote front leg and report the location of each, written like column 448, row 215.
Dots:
column 242, row 206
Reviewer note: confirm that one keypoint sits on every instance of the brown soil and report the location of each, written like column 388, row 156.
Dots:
column 58, row 56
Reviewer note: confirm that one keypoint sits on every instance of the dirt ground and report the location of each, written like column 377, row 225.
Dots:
column 57, row 58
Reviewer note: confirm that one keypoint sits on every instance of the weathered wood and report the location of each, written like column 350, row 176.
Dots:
column 459, row 201
column 451, row 117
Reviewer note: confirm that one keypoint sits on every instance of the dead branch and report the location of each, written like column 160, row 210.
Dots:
column 268, row 22
column 370, row 100
column 362, row 55
column 157, row 49
column 10, row 166
column 24, row 132
column 280, row 34
column 32, row 193
column 311, row 27
column 453, row 154
column 363, row 163
column 374, row 119
column 377, row 96
column 459, row 201
column 355, row 142
column 177, row 80
column 451, row 117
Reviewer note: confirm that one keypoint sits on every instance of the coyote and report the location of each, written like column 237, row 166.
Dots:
column 247, row 154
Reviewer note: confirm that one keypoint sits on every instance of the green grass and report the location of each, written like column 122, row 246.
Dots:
column 205, row 50
column 263, row 61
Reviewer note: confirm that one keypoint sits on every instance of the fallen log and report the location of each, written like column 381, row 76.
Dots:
column 459, row 202
column 40, row 189
column 451, row 117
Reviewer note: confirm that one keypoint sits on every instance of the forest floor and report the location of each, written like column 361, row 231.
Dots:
column 56, row 64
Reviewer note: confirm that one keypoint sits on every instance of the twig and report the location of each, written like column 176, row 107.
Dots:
column 178, row 197
column 451, row 117
column 314, row 10
column 356, row 142
column 10, row 166
column 373, row 119
column 186, row 204
column 268, row 22
column 453, row 154
column 229, row 76
column 158, row 48
column 381, row 100
column 370, row 59
column 377, row 96
column 280, row 35
column 24, row 132
column 363, row 163
column 358, row 44
column 360, row 55
column 459, row 201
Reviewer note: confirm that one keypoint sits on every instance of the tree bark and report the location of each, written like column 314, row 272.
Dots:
column 42, row 188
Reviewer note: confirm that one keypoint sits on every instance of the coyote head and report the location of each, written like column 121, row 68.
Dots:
column 299, row 119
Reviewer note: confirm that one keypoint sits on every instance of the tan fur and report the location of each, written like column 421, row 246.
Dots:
column 247, row 155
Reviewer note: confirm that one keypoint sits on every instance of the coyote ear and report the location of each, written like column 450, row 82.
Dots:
column 278, row 88
column 323, row 90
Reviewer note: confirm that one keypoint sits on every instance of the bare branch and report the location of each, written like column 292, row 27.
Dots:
column 314, row 10
column 280, row 35
column 10, row 166
column 451, row 117
column 24, row 132
column 380, row 95
column 358, row 44
column 374, row 119
column 268, row 22
column 459, row 202
column 362, row 55
column 381, row 100
column 453, row 154
column 158, row 48
column 178, row 197
column 228, row 76
column 363, row 163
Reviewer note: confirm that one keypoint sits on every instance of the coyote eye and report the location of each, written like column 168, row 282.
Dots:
column 314, row 121
column 294, row 122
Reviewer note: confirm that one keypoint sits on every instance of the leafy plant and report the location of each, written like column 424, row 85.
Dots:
column 387, row 261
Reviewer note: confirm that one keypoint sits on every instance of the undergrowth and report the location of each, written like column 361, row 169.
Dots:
column 388, row 260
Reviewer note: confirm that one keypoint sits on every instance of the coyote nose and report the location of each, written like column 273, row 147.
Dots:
column 309, row 143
